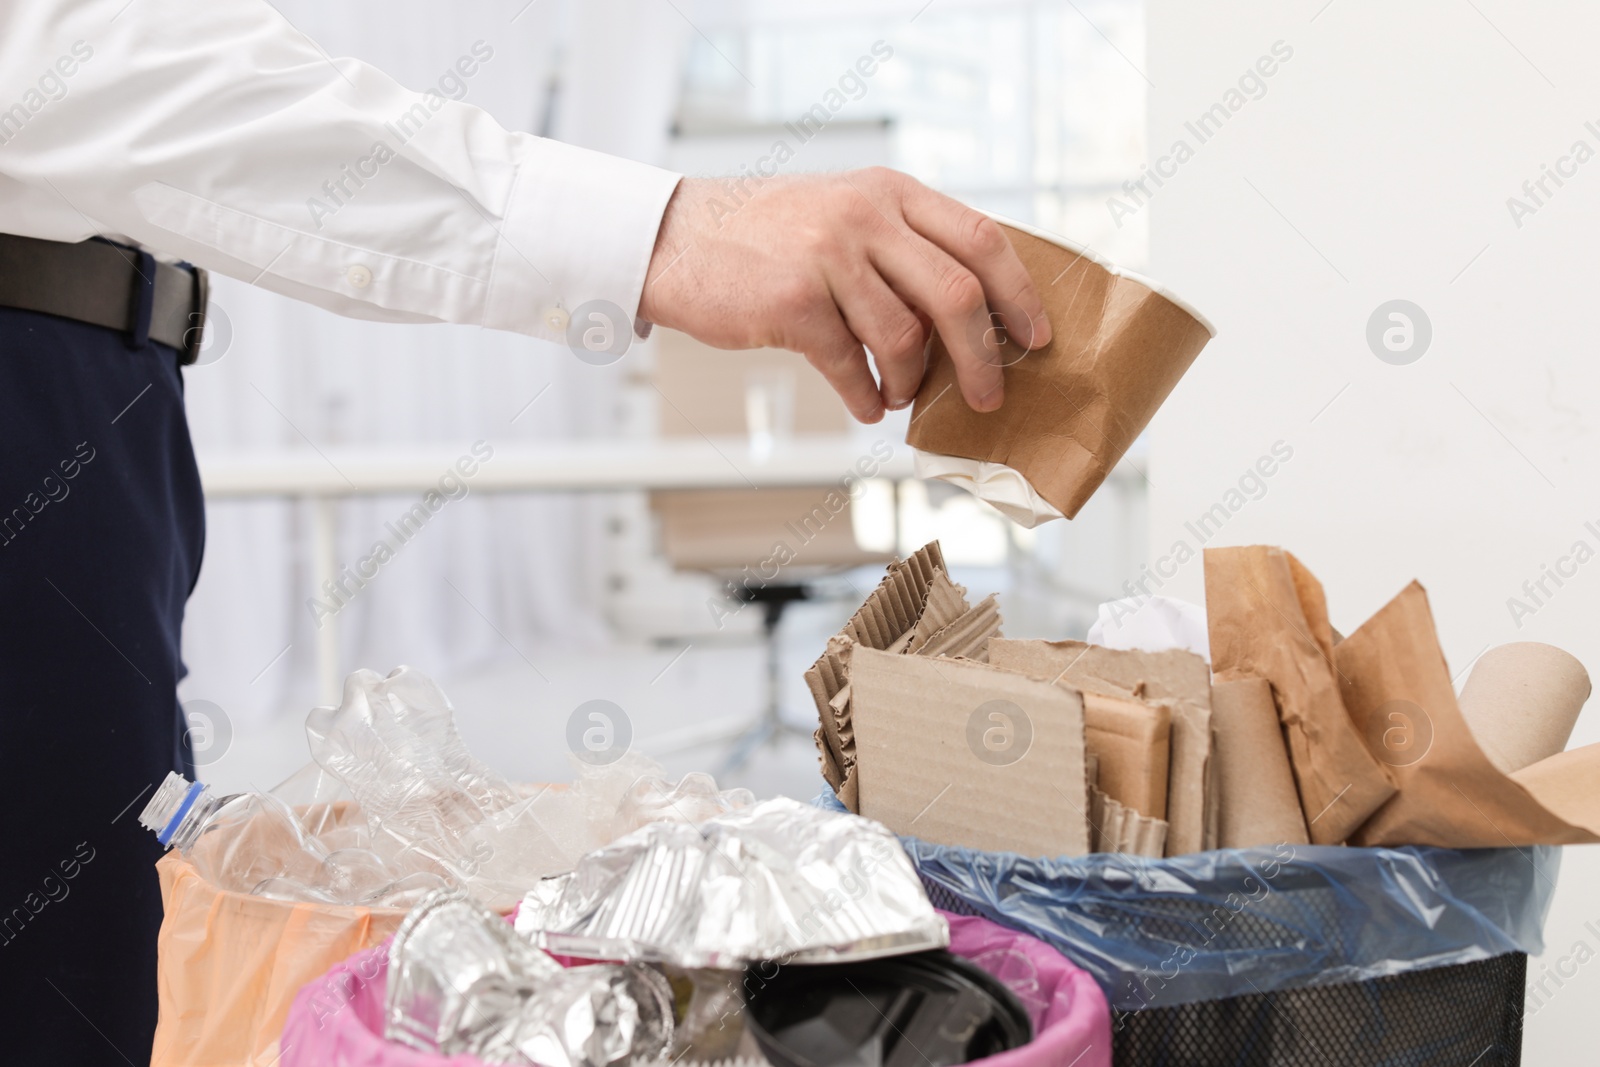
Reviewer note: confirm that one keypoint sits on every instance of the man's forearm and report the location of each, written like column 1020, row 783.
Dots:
column 219, row 133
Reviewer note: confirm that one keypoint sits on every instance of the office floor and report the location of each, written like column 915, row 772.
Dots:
column 513, row 713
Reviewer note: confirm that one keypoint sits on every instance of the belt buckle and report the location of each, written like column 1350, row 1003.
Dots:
column 195, row 336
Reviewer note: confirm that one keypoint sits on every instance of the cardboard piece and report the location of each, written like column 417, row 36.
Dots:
column 1395, row 682
column 967, row 636
column 1131, row 741
column 1257, row 801
column 887, row 615
column 1115, row 828
column 1213, row 799
column 917, row 610
column 1268, row 619
column 1522, row 701
column 1074, row 407
column 1176, row 678
column 963, row 753
column 945, row 603
column 826, row 679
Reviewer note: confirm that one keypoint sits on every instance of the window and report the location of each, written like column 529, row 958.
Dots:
column 1033, row 109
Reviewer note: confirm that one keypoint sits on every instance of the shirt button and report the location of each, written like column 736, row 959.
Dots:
column 556, row 319
column 358, row 275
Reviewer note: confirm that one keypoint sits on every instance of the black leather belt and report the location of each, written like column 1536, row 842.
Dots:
column 106, row 285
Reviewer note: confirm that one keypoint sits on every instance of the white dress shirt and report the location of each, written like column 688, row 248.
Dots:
column 214, row 131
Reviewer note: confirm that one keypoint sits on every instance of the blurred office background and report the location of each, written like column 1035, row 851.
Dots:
column 526, row 605
column 1373, row 164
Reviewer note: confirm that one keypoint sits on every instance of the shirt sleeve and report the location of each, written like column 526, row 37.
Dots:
column 218, row 133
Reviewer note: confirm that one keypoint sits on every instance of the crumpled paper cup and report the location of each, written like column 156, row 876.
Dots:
column 1120, row 344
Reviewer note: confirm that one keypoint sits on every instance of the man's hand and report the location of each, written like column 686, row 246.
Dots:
column 830, row 265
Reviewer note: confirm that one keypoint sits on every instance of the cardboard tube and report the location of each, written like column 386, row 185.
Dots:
column 1259, row 802
column 1522, row 701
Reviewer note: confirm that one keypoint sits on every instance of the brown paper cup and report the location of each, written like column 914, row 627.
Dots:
column 1119, row 345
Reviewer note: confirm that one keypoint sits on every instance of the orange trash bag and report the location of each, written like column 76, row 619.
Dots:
column 230, row 965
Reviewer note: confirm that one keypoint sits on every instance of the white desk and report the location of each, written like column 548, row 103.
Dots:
column 323, row 477
column 577, row 466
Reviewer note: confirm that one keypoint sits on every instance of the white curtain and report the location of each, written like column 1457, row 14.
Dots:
column 488, row 578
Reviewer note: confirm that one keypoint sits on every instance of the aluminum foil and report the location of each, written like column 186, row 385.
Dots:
column 587, row 1017
column 452, row 963
column 461, row 981
column 778, row 881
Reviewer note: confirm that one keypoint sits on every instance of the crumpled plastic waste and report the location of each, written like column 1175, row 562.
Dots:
column 460, row 981
column 393, row 806
column 778, row 881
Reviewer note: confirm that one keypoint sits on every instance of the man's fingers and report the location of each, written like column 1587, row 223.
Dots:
column 978, row 243
column 953, row 297
column 894, row 333
column 830, row 347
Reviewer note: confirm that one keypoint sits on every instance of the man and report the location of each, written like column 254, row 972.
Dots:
column 138, row 138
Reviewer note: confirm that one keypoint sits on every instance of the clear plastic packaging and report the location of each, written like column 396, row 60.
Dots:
column 393, row 806
column 1234, row 922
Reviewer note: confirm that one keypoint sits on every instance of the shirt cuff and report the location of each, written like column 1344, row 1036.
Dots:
column 576, row 242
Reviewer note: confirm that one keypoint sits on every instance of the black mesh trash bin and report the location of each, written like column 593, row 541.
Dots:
column 1291, row 955
column 1465, row 1013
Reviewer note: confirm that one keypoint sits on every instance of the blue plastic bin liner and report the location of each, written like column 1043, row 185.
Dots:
column 1232, row 922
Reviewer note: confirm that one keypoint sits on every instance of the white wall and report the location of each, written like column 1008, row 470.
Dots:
column 1377, row 165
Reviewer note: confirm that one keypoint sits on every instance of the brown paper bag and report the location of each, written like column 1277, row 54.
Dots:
column 1267, row 619
column 1073, row 407
column 1397, row 687
column 1176, row 678
column 1256, row 794
column 962, row 753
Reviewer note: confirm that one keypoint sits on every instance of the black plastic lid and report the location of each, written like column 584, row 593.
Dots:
column 928, row 1009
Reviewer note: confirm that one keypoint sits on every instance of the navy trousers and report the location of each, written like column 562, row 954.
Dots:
column 101, row 530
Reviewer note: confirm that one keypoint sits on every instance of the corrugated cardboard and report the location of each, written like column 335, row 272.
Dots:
column 1257, row 801
column 1267, row 619
column 918, row 770
column 887, row 615
column 915, row 610
column 1073, row 407
column 969, row 634
column 1115, row 828
column 1522, row 701
column 946, row 627
column 945, row 603
column 1450, row 794
column 1179, row 679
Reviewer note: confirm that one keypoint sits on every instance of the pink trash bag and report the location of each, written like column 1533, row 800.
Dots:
column 338, row 1019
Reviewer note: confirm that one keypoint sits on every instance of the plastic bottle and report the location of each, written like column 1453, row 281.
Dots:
column 236, row 842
